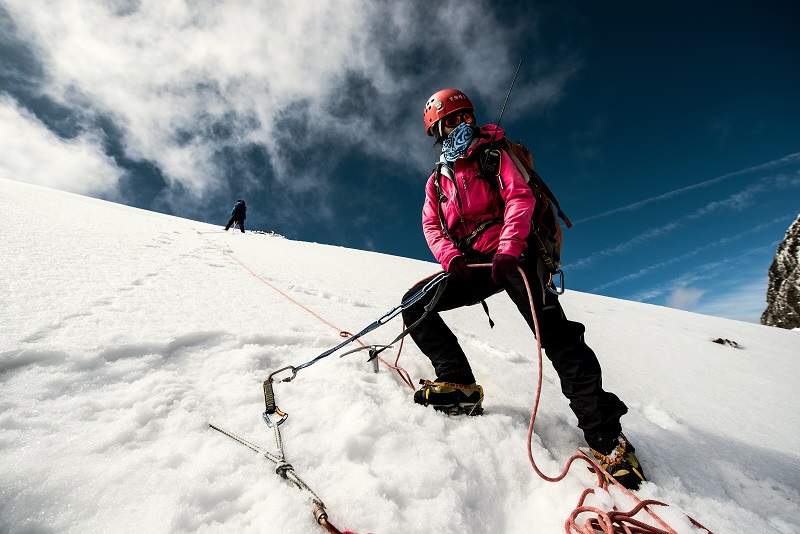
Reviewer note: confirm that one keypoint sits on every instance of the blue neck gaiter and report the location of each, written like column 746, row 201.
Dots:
column 457, row 143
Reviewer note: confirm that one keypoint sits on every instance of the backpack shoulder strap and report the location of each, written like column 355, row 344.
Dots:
column 437, row 182
column 553, row 199
column 440, row 197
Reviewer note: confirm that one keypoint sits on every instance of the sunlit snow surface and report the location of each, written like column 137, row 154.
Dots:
column 126, row 332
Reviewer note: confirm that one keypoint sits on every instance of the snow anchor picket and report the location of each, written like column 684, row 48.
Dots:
column 285, row 470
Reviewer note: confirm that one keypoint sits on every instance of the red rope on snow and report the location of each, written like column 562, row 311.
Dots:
column 404, row 376
column 613, row 522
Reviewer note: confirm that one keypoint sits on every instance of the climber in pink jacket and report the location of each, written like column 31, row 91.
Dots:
column 474, row 202
column 473, row 216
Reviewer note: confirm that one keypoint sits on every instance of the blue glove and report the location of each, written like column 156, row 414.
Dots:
column 502, row 266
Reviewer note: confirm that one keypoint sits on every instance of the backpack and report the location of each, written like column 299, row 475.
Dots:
column 545, row 226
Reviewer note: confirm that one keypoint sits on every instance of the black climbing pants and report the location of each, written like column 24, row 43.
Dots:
column 598, row 411
column 235, row 219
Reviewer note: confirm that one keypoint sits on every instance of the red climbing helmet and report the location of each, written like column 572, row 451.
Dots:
column 443, row 103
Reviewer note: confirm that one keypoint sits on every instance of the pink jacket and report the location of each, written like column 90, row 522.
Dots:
column 479, row 203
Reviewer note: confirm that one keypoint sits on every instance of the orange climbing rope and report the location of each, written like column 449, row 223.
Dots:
column 404, row 376
column 609, row 522
column 615, row 521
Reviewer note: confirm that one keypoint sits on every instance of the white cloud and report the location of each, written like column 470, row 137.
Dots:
column 685, row 298
column 771, row 165
column 738, row 201
column 684, row 257
column 186, row 80
column 636, row 241
column 744, row 303
column 734, row 287
column 33, row 154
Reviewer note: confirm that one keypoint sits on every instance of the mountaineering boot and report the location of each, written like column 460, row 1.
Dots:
column 619, row 460
column 454, row 399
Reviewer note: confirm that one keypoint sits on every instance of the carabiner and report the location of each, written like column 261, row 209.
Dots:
column 294, row 374
column 269, row 397
column 551, row 286
column 269, row 422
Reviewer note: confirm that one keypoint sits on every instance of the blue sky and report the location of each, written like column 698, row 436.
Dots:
column 668, row 130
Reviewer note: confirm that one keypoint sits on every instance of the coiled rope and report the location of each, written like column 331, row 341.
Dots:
column 615, row 521
column 609, row 522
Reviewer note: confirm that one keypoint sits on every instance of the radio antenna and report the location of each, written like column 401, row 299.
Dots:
column 492, row 159
column 508, row 95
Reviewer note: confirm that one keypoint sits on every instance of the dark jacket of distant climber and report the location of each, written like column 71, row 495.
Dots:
column 238, row 215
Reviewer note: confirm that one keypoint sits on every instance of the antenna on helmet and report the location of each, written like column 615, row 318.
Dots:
column 491, row 162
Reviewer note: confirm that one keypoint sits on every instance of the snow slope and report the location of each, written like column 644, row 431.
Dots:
column 126, row 332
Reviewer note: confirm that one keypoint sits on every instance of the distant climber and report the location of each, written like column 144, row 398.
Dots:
column 238, row 215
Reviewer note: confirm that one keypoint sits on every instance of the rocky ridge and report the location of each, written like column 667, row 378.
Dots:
column 783, row 287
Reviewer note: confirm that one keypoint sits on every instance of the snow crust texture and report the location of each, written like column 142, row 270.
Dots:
column 124, row 333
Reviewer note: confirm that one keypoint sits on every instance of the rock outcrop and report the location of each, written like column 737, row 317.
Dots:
column 783, row 287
